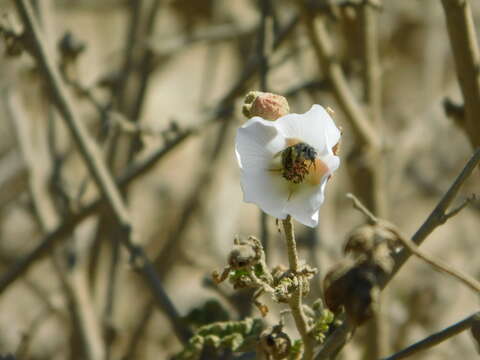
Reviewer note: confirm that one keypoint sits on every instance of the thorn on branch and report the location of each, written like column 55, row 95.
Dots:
column 459, row 208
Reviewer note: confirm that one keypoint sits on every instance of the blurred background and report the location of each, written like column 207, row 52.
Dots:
column 150, row 75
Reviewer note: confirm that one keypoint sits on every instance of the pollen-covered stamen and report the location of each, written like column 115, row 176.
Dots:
column 296, row 162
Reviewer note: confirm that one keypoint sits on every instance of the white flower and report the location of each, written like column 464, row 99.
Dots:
column 285, row 164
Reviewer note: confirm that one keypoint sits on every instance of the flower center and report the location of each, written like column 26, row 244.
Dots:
column 297, row 160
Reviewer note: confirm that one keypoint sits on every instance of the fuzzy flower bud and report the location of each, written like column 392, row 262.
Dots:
column 266, row 105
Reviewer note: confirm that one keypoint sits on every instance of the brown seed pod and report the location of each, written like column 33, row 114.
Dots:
column 353, row 286
column 242, row 256
column 376, row 242
column 275, row 342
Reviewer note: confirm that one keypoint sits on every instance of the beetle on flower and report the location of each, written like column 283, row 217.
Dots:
column 285, row 164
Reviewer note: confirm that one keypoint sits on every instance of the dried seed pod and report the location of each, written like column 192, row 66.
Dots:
column 336, row 284
column 242, row 256
column 376, row 242
column 366, row 238
column 275, row 342
column 353, row 286
column 245, row 253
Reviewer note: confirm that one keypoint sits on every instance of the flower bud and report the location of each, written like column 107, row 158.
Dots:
column 266, row 105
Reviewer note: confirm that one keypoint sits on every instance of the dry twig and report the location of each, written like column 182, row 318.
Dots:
column 436, row 218
column 466, row 53
column 436, row 338
column 96, row 166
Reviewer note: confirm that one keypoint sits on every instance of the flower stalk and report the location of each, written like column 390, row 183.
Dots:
column 295, row 302
column 291, row 244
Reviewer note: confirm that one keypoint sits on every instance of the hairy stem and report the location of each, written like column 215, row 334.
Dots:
column 291, row 243
column 296, row 300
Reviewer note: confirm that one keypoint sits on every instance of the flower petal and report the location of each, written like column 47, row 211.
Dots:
column 305, row 203
column 332, row 162
column 315, row 127
column 331, row 130
column 256, row 143
column 268, row 191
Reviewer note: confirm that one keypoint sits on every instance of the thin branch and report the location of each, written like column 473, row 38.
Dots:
column 434, row 220
column 97, row 168
column 373, row 99
column 130, row 43
column 136, row 170
column 413, row 248
column 146, row 63
column 441, row 266
column 334, row 343
column 139, row 331
column 372, row 219
column 13, row 175
column 80, row 300
column 323, row 48
column 460, row 207
column 464, row 42
column 87, row 147
column 264, row 49
column 132, row 173
column 436, row 338
column 371, row 61
column 168, row 254
column 437, row 216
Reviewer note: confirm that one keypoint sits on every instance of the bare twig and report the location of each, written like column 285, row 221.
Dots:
column 460, row 207
column 334, row 343
column 373, row 98
column 371, row 61
column 466, row 53
column 146, row 63
column 413, row 248
column 97, row 168
column 372, row 219
column 23, row 349
column 264, row 49
column 441, row 266
column 436, row 338
column 132, row 173
column 139, row 331
column 364, row 159
column 166, row 257
column 135, row 171
column 435, row 219
column 130, row 43
column 323, row 48
column 82, row 309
